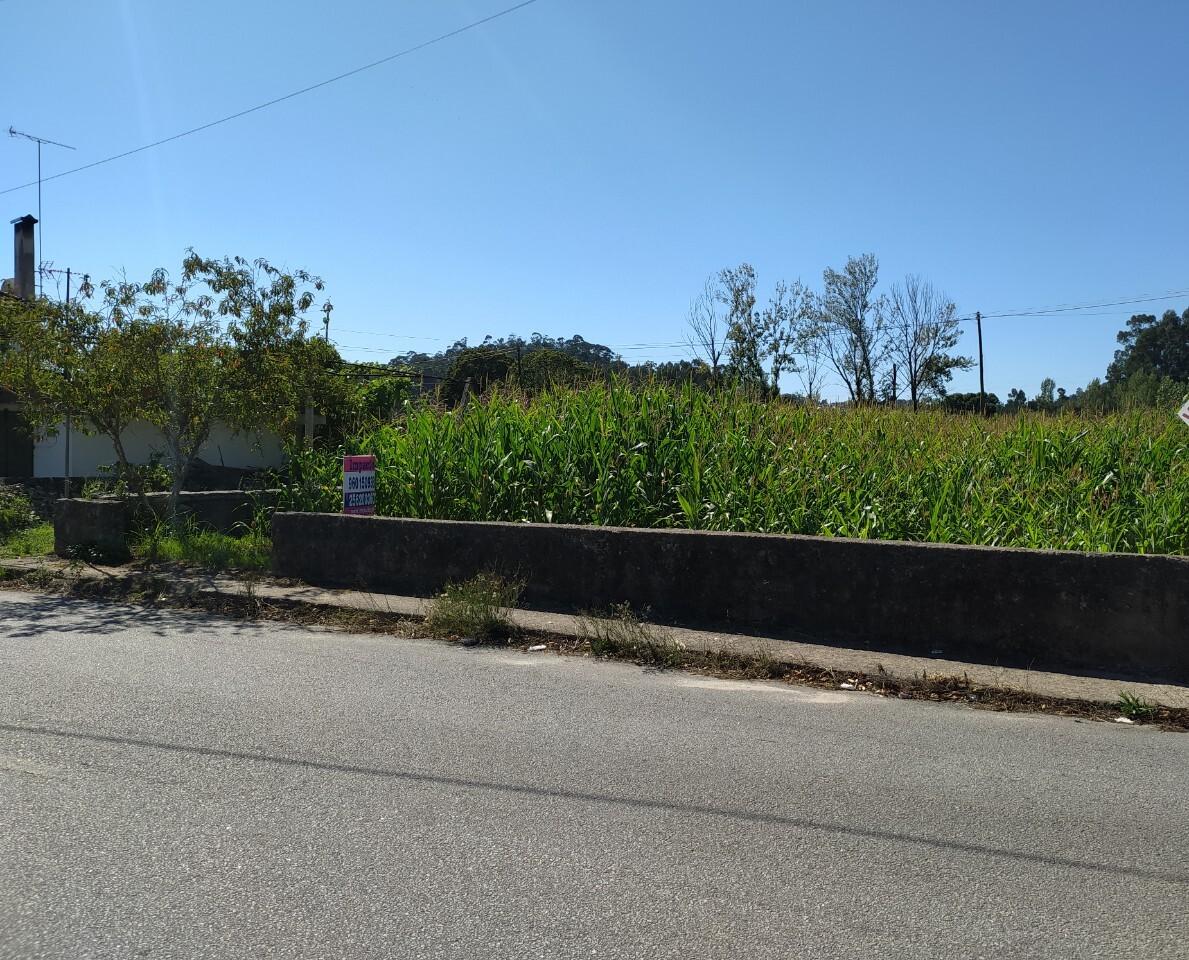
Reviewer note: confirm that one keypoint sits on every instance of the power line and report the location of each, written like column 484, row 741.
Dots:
column 288, row 96
column 1072, row 308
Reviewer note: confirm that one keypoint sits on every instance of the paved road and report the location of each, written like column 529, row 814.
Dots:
column 181, row 786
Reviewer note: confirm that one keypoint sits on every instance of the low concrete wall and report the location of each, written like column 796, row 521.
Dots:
column 103, row 523
column 86, row 527
column 1105, row 614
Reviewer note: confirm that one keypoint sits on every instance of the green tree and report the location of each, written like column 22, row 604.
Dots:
column 226, row 343
column 1157, row 347
column 68, row 362
column 853, row 326
column 1016, row 400
column 1046, row 399
column 736, row 292
column 482, row 366
column 549, row 367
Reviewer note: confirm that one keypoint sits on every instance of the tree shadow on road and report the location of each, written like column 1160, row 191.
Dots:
column 29, row 615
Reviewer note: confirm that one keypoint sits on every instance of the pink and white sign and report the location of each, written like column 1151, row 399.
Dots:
column 359, row 486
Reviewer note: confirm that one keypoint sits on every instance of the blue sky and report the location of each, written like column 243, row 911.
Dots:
column 582, row 166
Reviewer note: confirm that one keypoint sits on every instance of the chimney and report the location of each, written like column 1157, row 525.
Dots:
column 25, row 257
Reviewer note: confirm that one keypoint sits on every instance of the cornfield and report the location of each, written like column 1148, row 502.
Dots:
column 662, row 456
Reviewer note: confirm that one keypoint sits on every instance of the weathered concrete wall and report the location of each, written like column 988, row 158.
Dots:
column 1107, row 614
column 220, row 510
column 104, row 523
column 91, row 526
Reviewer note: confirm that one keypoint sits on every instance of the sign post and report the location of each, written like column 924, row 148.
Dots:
column 1185, row 413
column 359, row 486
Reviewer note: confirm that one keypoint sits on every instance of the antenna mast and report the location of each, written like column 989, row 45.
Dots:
column 13, row 132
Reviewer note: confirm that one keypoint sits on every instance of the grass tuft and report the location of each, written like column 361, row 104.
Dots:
column 476, row 609
column 624, row 635
column 1135, row 708
column 35, row 541
column 196, row 546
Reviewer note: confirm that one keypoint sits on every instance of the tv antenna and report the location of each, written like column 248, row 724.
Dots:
column 13, row 132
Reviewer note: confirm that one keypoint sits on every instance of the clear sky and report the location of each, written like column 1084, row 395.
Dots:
column 580, row 166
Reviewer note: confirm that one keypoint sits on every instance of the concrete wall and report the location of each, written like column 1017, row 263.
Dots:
column 104, row 523
column 1107, row 614
column 141, row 442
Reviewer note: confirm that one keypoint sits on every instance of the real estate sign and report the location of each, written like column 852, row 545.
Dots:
column 359, row 486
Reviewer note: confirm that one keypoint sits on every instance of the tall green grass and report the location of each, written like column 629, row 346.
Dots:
column 660, row 456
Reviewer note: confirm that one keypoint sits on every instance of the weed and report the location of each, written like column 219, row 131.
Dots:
column 32, row 541
column 198, row 546
column 1135, row 708
column 622, row 634
column 16, row 512
column 250, row 596
column 476, row 609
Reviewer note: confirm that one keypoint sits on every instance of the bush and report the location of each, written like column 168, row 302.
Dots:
column 621, row 633
column 477, row 609
column 16, row 512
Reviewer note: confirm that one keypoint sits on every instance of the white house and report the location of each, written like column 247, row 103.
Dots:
column 141, row 443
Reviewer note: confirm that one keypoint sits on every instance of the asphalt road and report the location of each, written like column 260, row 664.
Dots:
column 184, row 786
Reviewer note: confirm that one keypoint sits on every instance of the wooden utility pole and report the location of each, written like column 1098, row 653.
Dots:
column 982, row 385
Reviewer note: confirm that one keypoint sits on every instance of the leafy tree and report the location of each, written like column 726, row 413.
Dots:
column 1157, row 347
column 379, row 398
column 969, row 402
column 1016, row 399
column 736, row 292
column 482, row 366
column 226, row 343
column 65, row 361
column 1046, row 399
column 549, row 367
column 786, row 332
column 922, row 332
column 853, row 327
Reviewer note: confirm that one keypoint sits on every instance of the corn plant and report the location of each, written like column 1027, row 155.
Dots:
column 664, row 456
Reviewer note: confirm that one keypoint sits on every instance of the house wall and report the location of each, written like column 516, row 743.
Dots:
column 141, row 441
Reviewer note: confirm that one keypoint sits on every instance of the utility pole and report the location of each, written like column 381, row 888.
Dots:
column 66, row 453
column 12, row 132
column 982, row 385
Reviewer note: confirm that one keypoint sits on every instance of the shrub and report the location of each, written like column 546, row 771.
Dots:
column 477, row 609
column 16, row 512
column 621, row 633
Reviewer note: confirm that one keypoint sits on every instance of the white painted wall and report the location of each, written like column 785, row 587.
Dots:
column 141, row 441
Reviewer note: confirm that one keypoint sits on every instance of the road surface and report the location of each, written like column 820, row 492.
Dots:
column 175, row 785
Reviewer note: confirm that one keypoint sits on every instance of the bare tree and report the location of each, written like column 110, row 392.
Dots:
column 853, row 330
column 809, row 350
column 922, row 329
column 708, row 328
